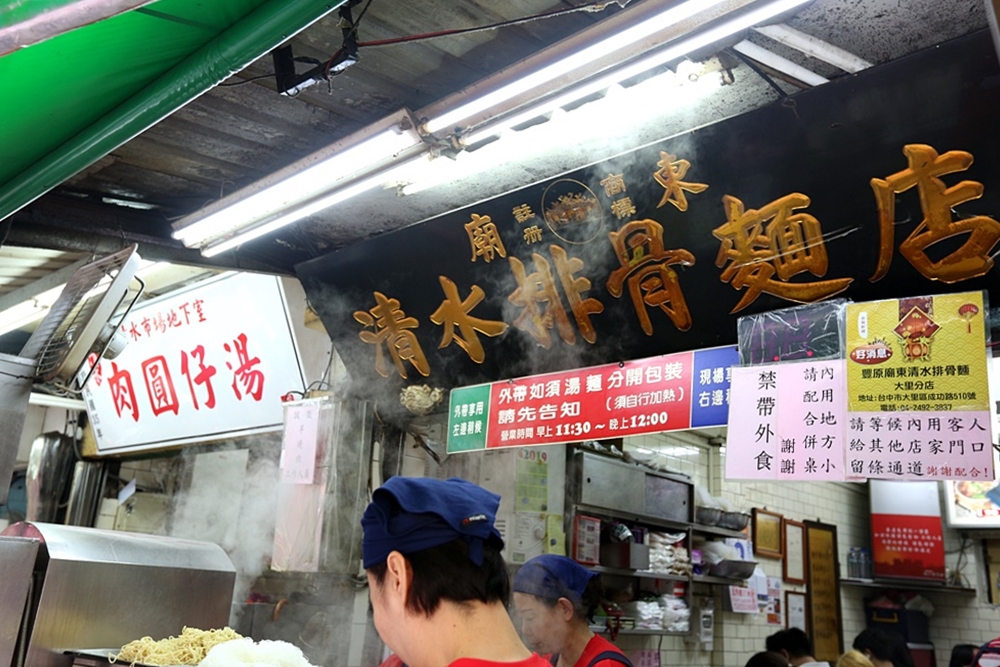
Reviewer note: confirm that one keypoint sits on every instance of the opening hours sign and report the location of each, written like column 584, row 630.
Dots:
column 666, row 393
column 204, row 363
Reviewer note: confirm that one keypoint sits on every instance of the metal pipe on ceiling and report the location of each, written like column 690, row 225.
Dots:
column 258, row 33
column 33, row 22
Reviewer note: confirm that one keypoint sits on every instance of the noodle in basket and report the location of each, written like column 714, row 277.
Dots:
column 190, row 648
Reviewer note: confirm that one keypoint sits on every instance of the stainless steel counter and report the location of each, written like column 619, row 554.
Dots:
column 101, row 589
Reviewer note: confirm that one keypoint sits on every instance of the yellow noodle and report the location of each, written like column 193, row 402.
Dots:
column 189, row 648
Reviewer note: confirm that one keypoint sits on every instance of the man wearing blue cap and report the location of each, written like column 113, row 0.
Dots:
column 555, row 598
column 438, row 584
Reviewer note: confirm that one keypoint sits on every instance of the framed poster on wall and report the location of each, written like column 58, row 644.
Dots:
column 766, row 533
column 795, row 610
column 823, row 580
column 793, row 537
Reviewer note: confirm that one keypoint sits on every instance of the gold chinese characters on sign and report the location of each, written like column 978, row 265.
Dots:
column 485, row 238
column 542, row 308
column 392, row 331
column 972, row 258
column 670, row 176
column 645, row 267
column 766, row 247
column 453, row 312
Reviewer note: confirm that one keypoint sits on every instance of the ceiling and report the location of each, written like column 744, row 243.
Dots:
column 242, row 129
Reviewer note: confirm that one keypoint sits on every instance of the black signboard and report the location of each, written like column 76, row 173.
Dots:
column 863, row 188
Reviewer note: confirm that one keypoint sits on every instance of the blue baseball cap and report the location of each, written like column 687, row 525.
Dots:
column 409, row 514
column 552, row 577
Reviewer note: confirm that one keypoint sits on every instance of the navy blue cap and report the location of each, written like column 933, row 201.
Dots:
column 409, row 514
column 552, row 577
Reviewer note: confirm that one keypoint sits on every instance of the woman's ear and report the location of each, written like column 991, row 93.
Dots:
column 566, row 609
column 398, row 578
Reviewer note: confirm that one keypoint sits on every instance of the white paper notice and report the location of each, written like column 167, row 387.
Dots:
column 298, row 449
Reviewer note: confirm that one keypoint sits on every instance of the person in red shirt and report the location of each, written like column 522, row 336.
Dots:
column 555, row 598
column 437, row 583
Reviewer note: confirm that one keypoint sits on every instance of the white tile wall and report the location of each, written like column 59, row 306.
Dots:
column 958, row 618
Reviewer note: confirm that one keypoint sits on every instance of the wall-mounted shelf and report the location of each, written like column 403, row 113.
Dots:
column 716, row 530
column 721, row 581
column 908, row 585
column 605, row 513
column 642, row 574
column 639, row 631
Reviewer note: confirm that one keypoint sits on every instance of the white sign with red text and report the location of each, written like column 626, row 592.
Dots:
column 201, row 364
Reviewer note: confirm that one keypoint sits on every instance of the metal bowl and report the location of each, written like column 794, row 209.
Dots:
column 734, row 520
column 707, row 516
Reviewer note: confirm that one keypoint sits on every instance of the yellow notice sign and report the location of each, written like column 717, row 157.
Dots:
column 920, row 354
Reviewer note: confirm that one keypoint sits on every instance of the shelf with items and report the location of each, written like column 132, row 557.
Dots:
column 716, row 581
column 642, row 574
column 601, row 629
column 907, row 585
column 718, row 531
column 646, row 519
column 617, row 515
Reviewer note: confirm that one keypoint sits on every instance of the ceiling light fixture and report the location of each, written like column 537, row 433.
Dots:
column 671, row 52
column 815, row 47
column 341, row 194
column 31, row 310
column 575, row 61
column 304, row 183
column 778, row 63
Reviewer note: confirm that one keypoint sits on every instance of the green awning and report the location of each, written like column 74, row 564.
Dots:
column 69, row 100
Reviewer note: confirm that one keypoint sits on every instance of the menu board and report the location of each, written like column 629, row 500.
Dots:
column 823, row 580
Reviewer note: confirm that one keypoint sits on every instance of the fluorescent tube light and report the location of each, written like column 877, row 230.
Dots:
column 34, row 309
column 29, row 311
column 815, row 47
column 575, row 61
column 49, row 401
column 672, row 52
column 302, row 181
column 343, row 194
column 779, row 63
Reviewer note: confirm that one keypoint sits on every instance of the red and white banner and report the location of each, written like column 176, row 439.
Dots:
column 614, row 400
column 205, row 363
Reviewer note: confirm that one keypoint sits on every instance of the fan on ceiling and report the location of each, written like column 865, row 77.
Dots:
column 84, row 321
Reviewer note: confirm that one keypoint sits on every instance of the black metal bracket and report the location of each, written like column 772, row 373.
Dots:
column 291, row 84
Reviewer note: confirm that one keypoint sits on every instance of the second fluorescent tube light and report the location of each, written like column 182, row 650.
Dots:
column 590, row 54
column 301, row 183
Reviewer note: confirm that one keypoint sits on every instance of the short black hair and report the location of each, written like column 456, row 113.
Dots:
column 589, row 602
column 884, row 646
column 767, row 659
column 446, row 572
column 962, row 655
column 793, row 641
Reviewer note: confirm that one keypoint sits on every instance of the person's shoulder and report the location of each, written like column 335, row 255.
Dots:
column 392, row 661
column 595, row 647
column 534, row 661
column 815, row 664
